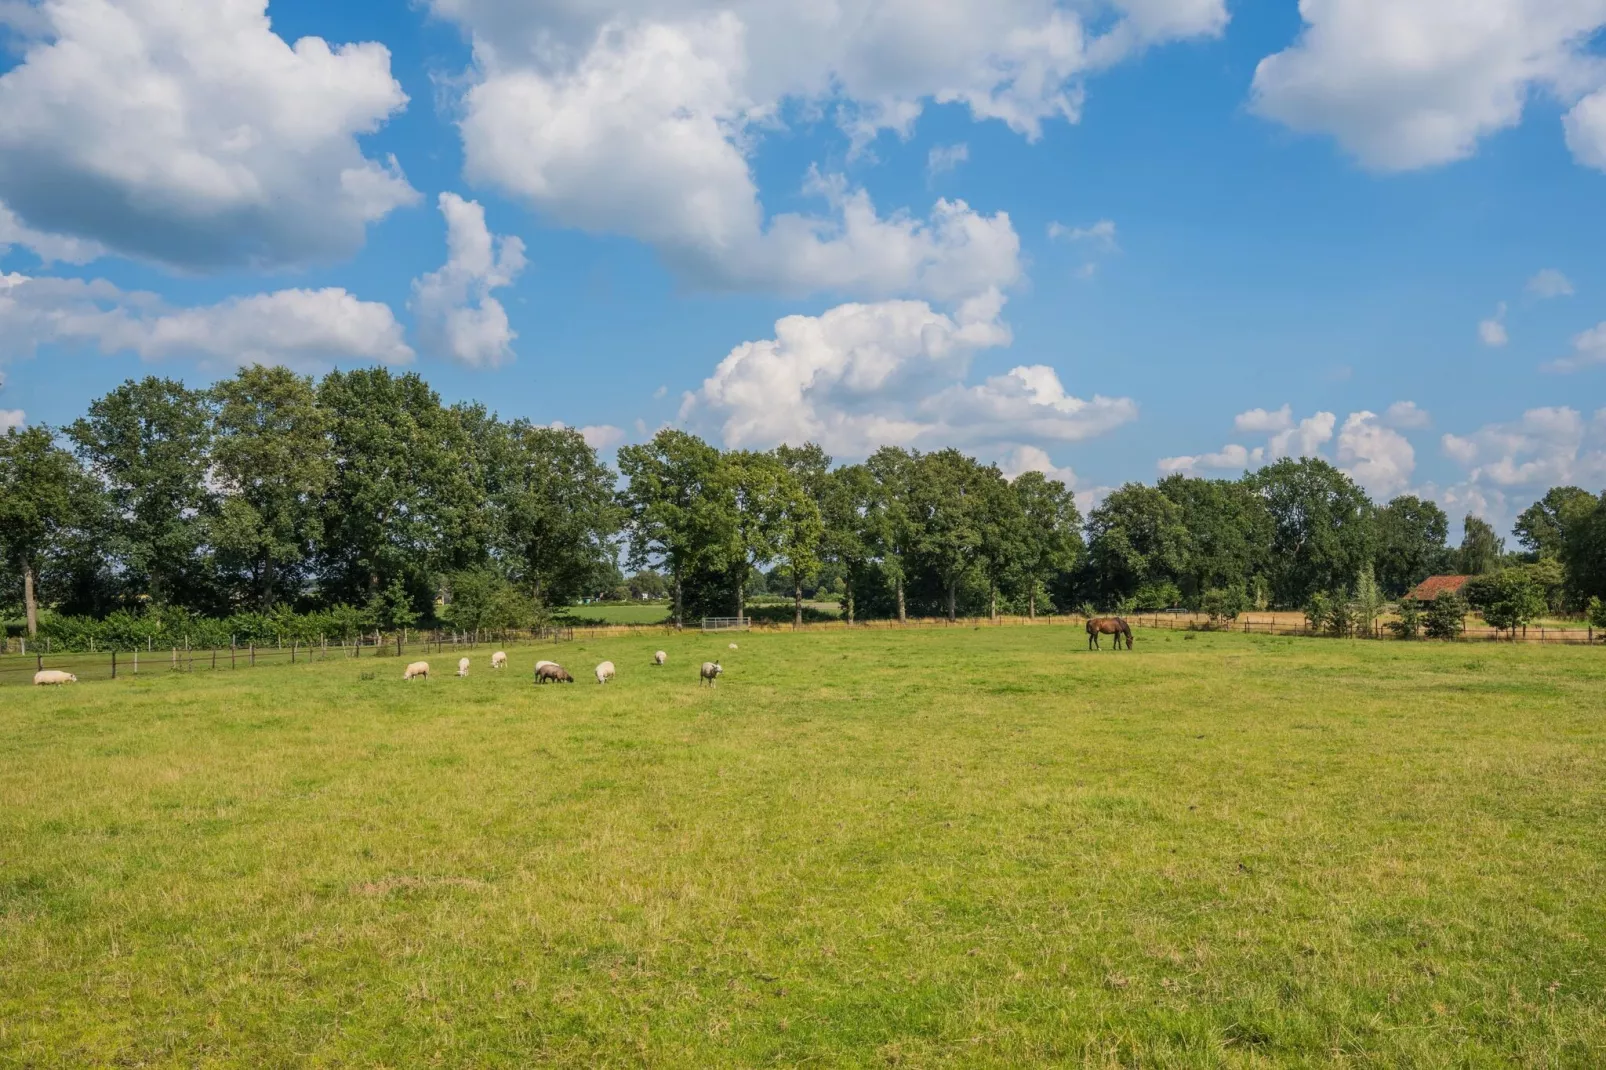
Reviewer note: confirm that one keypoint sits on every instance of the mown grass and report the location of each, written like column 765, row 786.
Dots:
column 956, row 847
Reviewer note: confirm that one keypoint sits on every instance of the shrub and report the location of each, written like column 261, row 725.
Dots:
column 1223, row 605
column 1445, row 615
column 1409, row 626
column 1596, row 614
column 1340, row 618
column 1317, row 610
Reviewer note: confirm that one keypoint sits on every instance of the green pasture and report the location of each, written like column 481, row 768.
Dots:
column 955, row 847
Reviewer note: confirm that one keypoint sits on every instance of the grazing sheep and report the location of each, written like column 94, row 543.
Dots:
column 711, row 669
column 53, row 676
column 462, row 666
column 733, row 646
column 552, row 671
column 604, row 672
column 417, row 668
column 659, row 658
column 499, row 660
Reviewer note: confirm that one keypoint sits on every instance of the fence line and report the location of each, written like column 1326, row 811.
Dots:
column 117, row 664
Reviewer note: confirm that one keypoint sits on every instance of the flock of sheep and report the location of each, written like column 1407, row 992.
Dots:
column 545, row 671
column 552, row 672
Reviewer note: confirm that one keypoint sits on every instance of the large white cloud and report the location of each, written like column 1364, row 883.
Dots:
column 640, row 117
column 191, row 134
column 1589, row 349
column 1377, row 457
column 1545, row 447
column 859, row 376
column 1285, row 437
column 457, row 316
column 299, row 328
column 1403, row 84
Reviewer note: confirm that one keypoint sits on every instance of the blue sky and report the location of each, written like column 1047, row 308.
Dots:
column 1108, row 240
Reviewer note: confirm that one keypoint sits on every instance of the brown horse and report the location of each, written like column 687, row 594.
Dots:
column 1108, row 626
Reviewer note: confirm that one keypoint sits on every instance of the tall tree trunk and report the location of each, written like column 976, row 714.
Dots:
column 995, row 603
column 953, row 586
column 847, row 588
column 680, row 614
column 29, row 600
column 797, row 600
column 267, row 583
column 903, row 618
column 1031, row 603
column 741, row 599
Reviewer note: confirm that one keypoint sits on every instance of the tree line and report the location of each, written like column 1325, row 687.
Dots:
column 270, row 493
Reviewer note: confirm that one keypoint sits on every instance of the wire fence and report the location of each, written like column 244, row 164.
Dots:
column 19, row 668
column 103, row 665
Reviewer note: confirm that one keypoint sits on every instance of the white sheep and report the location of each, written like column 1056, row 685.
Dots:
column 541, row 663
column 417, row 668
column 733, row 646
column 53, row 676
column 660, row 657
column 711, row 669
column 604, row 672
column 462, row 666
column 499, row 660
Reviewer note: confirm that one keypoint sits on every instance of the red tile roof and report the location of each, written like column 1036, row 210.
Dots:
column 1433, row 586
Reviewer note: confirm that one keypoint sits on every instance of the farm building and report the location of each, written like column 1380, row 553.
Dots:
column 1433, row 586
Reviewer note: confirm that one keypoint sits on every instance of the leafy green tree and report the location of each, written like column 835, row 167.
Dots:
column 1318, row 607
column 1136, row 539
column 1321, row 527
column 1228, row 530
column 392, row 609
column 800, row 546
column 1482, row 550
column 1411, row 543
column 763, row 493
column 1595, row 613
column 1006, row 553
column 1052, row 536
column 147, row 444
column 948, row 501
column 1341, row 620
column 1540, row 527
column 891, row 519
column 1517, row 601
column 1153, row 597
column 405, row 501
column 1408, row 625
column 270, row 457
column 1445, row 616
column 1223, row 604
column 1367, row 605
column 44, row 495
column 483, row 599
column 1583, row 552
column 679, row 507
column 554, row 512
column 849, row 536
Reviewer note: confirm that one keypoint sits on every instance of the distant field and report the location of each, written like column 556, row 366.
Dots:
column 955, row 847
column 657, row 614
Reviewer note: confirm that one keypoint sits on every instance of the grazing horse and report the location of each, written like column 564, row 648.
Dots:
column 1108, row 626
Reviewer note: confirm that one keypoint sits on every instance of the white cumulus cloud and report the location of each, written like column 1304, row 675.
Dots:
column 1407, row 416
column 1550, row 283
column 299, row 328
column 640, row 117
column 193, row 135
column 457, row 316
column 1545, row 447
column 1261, row 421
column 859, row 376
column 1377, row 457
column 1023, row 459
column 944, row 158
column 1589, row 349
column 1403, row 84
column 1492, row 331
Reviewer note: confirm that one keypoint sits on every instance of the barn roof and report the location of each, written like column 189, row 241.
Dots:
column 1433, row 586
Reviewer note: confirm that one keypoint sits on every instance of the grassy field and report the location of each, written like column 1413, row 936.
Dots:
column 947, row 847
